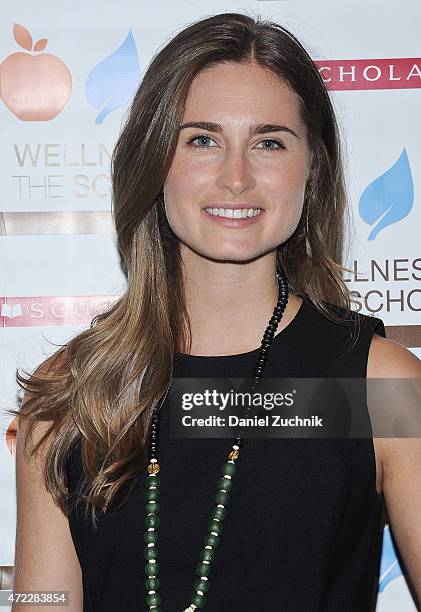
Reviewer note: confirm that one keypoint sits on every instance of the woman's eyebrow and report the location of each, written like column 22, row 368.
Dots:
column 258, row 128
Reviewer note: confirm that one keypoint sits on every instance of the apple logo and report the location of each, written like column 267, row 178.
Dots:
column 34, row 87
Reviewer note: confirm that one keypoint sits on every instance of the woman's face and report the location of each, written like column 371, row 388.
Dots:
column 253, row 153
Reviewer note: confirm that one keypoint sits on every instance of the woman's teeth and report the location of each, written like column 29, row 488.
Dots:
column 234, row 213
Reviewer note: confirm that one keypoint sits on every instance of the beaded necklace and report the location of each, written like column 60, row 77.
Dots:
column 224, row 485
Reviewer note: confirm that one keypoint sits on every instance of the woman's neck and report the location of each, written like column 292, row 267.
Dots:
column 230, row 306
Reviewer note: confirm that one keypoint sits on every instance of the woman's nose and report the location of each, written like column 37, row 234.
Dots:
column 235, row 173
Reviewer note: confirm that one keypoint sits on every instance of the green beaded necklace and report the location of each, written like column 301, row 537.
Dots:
column 224, row 486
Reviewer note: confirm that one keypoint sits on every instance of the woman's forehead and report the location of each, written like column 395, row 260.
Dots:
column 239, row 95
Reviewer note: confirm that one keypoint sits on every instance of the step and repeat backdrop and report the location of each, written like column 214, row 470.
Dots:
column 68, row 72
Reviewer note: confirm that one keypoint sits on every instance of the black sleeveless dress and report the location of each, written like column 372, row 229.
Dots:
column 303, row 526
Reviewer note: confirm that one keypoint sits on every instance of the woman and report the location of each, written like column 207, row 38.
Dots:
column 231, row 115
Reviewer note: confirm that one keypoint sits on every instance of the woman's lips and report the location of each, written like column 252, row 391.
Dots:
column 233, row 223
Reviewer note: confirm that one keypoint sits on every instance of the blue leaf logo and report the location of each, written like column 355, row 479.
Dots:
column 113, row 82
column 389, row 565
column 389, row 198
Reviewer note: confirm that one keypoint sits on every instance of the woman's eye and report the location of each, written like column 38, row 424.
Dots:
column 200, row 138
column 270, row 141
column 204, row 140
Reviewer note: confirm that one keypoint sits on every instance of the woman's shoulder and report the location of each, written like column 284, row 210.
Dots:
column 335, row 338
column 336, row 317
column 390, row 359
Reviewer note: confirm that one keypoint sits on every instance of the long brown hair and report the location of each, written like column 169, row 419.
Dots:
column 100, row 387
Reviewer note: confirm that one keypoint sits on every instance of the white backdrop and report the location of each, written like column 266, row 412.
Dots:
column 61, row 107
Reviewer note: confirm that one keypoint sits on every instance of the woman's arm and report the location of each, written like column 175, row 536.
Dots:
column 401, row 460
column 45, row 557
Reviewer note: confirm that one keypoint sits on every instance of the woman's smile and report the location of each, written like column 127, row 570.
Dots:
column 234, row 218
